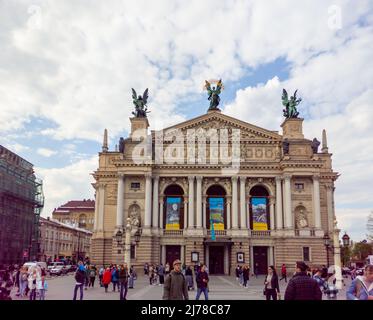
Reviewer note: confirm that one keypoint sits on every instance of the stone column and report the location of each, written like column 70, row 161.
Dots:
column 95, row 225
column 337, row 257
column 270, row 256
column 101, row 207
column 155, row 202
column 279, row 222
column 234, row 203
column 148, row 200
column 163, row 255
column 248, row 211
column 229, row 226
column 185, row 212
column 120, row 201
column 272, row 212
column 199, row 202
column 161, row 212
column 204, row 211
column 226, row 260
column 208, row 256
column 243, row 203
column 182, row 254
column 288, row 211
column 191, row 202
column 316, row 201
column 329, row 203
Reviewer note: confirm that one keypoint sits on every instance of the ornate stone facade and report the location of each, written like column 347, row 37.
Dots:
column 215, row 156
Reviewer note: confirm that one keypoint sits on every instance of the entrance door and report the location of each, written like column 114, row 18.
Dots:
column 260, row 259
column 216, row 259
column 172, row 253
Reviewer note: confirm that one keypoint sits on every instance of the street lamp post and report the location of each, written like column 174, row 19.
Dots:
column 327, row 245
column 337, row 257
column 346, row 244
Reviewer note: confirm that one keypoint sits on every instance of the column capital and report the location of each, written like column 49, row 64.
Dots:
column 234, row 178
column 272, row 200
column 156, row 178
column 287, row 176
column 316, row 177
column 102, row 185
column 191, row 178
column 279, row 178
column 199, row 178
column 243, row 180
column 120, row 175
column 148, row 175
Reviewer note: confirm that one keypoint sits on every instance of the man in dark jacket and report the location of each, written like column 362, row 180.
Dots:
column 202, row 281
column 301, row 286
column 123, row 281
column 80, row 276
column 175, row 286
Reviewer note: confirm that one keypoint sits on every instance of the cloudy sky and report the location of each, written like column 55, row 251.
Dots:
column 67, row 69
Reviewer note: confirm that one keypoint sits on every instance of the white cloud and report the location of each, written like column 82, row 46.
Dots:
column 354, row 221
column 45, row 152
column 68, row 183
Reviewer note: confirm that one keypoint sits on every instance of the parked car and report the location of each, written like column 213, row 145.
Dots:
column 41, row 264
column 66, row 269
column 57, row 270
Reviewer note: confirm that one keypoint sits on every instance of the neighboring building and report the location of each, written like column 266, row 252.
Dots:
column 21, row 201
column 270, row 203
column 62, row 241
column 77, row 212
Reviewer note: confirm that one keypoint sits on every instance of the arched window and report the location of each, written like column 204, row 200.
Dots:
column 82, row 221
column 173, row 214
column 215, row 208
column 259, row 209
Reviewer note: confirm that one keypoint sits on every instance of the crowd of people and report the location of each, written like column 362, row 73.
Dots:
column 28, row 281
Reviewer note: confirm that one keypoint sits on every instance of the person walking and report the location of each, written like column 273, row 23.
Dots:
column 175, row 286
column 167, row 268
column 151, row 274
column 301, row 286
column 361, row 287
column 161, row 272
column 320, row 281
column 132, row 278
column 32, row 279
column 123, row 281
column 202, row 283
column 245, row 274
column 237, row 272
column 284, row 272
column 189, row 278
column 23, row 281
column 271, row 286
column 115, row 278
column 106, row 279
column 92, row 276
column 100, row 275
column 42, row 287
column 146, row 269
column 80, row 276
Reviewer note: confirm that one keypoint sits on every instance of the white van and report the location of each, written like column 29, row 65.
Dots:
column 41, row 264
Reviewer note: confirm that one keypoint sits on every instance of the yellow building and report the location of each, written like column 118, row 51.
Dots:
column 76, row 212
column 268, row 195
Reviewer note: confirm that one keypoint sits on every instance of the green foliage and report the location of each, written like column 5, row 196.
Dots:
column 362, row 250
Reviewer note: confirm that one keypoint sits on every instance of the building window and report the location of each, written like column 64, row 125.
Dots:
column 299, row 186
column 133, row 251
column 135, row 185
column 306, row 254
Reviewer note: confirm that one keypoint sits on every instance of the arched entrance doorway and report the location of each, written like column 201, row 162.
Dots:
column 216, row 217
column 259, row 221
column 173, row 217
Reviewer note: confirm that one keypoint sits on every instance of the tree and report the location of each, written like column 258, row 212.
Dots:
column 362, row 250
column 370, row 226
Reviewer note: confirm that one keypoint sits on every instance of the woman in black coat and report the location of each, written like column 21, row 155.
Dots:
column 271, row 287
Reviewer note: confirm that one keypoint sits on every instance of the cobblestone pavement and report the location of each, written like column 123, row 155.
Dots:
column 221, row 288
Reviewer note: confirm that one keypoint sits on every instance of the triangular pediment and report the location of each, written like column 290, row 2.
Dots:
column 218, row 120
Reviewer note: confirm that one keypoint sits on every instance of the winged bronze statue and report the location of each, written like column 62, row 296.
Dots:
column 290, row 105
column 141, row 109
column 214, row 94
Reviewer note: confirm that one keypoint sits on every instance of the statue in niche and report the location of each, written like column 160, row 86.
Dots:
column 134, row 216
column 302, row 221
